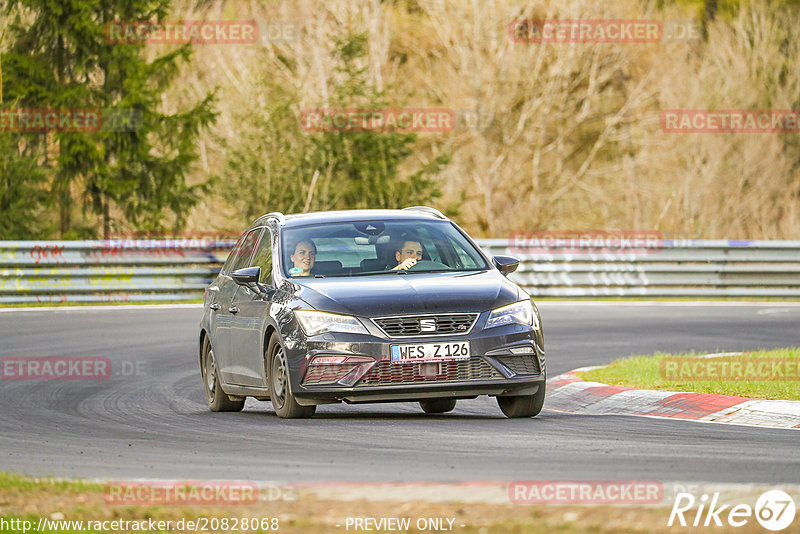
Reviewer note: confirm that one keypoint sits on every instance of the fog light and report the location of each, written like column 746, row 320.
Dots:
column 522, row 350
column 344, row 370
column 328, row 360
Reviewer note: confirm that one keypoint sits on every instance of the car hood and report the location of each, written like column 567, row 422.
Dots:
column 391, row 294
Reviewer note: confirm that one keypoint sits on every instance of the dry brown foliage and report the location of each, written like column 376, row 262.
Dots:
column 550, row 136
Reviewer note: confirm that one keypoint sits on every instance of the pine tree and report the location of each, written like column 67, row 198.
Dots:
column 23, row 198
column 137, row 162
column 285, row 168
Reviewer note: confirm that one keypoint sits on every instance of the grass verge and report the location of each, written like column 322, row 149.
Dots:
column 652, row 372
column 305, row 512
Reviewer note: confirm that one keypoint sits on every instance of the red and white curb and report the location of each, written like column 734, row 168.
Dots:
column 569, row 393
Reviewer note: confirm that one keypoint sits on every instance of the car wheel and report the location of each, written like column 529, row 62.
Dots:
column 437, row 405
column 283, row 401
column 524, row 405
column 216, row 399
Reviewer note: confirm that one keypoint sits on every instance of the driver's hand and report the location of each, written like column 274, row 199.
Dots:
column 406, row 264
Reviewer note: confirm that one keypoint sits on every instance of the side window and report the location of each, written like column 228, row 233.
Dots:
column 263, row 257
column 226, row 267
column 244, row 251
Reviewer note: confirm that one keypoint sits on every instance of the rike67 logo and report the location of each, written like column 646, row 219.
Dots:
column 774, row 510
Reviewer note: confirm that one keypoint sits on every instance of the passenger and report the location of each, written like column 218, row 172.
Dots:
column 303, row 257
column 408, row 254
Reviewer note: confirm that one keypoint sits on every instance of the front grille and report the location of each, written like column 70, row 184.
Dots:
column 521, row 365
column 427, row 325
column 386, row 373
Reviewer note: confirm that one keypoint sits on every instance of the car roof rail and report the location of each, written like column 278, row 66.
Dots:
column 272, row 215
column 427, row 209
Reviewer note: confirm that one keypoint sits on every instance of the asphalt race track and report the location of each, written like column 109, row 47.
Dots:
column 149, row 419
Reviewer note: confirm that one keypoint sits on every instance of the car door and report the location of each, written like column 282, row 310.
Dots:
column 247, row 350
column 226, row 321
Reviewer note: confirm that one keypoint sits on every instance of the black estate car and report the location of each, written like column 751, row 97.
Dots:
column 368, row 306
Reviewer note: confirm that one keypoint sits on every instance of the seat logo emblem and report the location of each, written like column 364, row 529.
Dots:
column 427, row 325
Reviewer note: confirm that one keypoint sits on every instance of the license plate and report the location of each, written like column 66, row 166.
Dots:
column 430, row 352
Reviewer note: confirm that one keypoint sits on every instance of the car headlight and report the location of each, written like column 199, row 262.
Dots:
column 316, row 322
column 520, row 312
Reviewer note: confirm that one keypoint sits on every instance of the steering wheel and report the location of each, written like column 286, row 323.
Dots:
column 429, row 265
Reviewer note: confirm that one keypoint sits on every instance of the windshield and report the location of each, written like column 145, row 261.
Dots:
column 365, row 248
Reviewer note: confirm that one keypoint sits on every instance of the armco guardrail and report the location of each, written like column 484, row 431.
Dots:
column 109, row 271
column 685, row 268
column 174, row 270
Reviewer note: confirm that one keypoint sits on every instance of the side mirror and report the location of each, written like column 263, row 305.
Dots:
column 248, row 276
column 505, row 264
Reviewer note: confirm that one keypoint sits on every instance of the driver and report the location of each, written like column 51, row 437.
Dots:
column 303, row 257
column 408, row 254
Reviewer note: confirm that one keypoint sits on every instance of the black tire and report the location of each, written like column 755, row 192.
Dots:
column 283, row 401
column 437, row 405
column 216, row 399
column 523, row 406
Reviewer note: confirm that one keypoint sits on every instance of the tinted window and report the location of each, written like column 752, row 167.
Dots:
column 226, row 267
column 370, row 247
column 243, row 252
column 263, row 257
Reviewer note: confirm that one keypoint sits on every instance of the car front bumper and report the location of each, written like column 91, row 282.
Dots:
column 369, row 375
